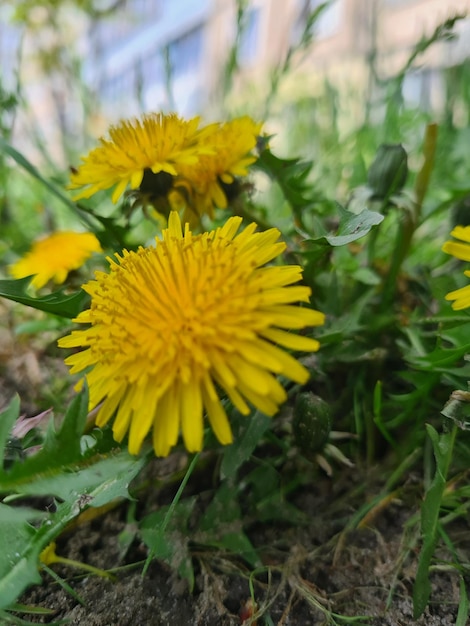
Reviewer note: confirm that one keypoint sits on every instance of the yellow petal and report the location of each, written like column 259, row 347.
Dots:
column 191, row 415
column 459, row 250
column 290, row 340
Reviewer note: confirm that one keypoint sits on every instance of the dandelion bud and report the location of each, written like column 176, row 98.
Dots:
column 388, row 171
column 312, row 423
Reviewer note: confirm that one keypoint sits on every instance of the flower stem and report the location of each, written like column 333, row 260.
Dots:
column 171, row 508
column 411, row 219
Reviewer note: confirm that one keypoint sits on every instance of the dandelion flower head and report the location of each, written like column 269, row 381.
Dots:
column 461, row 250
column 54, row 256
column 173, row 327
column 229, row 153
column 157, row 143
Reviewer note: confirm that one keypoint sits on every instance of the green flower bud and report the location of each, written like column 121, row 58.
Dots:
column 312, row 423
column 388, row 171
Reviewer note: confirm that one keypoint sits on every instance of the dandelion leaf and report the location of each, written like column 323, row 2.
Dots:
column 58, row 302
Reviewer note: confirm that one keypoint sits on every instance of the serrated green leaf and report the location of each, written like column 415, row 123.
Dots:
column 291, row 176
column 60, row 452
column 22, row 543
column 108, row 478
column 59, row 303
column 352, row 226
column 7, row 418
column 61, row 470
column 440, row 359
column 113, row 476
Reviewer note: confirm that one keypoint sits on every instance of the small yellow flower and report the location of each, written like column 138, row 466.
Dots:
column 53, row 257
column 461, row 251
column 153, row 147
column 172, row 326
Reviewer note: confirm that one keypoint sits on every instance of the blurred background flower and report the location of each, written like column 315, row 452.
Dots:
column 54, row 256
column 138, row 150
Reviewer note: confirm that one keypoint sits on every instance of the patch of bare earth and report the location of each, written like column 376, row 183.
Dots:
column 308, row 569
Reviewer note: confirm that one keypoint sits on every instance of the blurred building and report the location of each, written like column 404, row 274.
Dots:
column 171, row 54
column 151, row 54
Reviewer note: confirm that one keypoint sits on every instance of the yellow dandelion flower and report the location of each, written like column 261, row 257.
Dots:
column 152, row 148
column 173, row 325
column 229, row 153
column 461, row 251
column 53, row 257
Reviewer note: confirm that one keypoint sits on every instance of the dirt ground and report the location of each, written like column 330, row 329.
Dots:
column 308, row 569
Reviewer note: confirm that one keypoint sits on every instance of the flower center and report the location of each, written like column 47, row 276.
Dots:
column 231, row 190
column 156, row 185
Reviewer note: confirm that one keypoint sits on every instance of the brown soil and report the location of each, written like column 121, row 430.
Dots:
column 367, row 571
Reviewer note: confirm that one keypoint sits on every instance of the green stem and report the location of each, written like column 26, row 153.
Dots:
column 411, row 219
column 177, row 497
column 79, row 565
